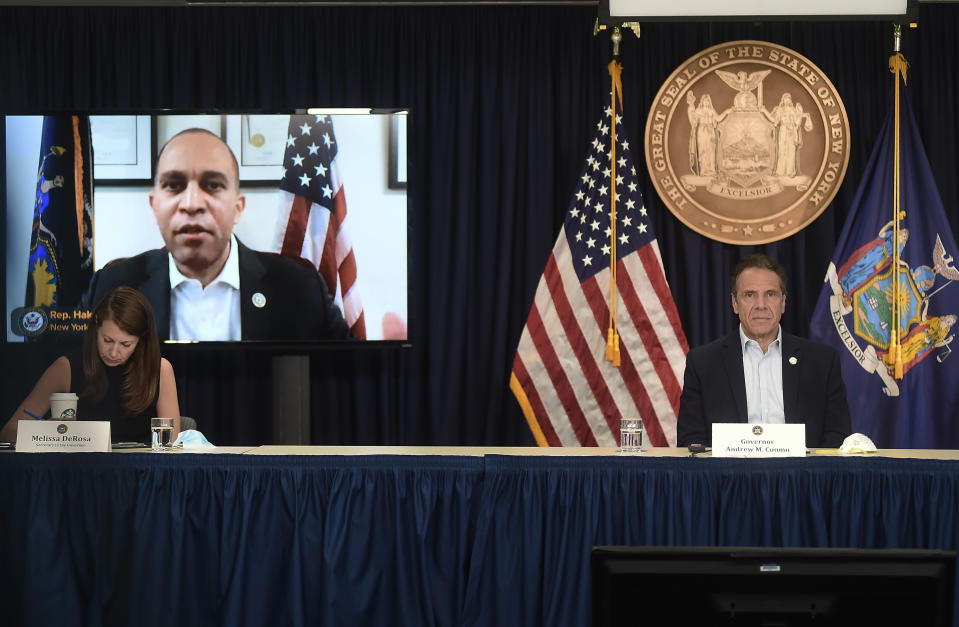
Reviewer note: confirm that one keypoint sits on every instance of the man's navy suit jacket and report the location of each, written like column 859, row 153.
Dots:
column 715, row 391
column 296, row 301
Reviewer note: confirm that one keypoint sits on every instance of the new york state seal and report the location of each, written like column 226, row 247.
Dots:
column 747, row 142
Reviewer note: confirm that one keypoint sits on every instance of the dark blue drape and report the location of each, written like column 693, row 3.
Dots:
column 540, row 516
column 142, row 539
column 190, row 540
column 502, row 101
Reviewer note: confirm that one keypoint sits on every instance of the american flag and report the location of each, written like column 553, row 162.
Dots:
column 570, row 393
column 312, row 210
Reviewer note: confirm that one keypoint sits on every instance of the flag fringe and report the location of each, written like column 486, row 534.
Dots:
column 524, row 404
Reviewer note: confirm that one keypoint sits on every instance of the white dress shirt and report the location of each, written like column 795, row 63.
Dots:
column 764, row 380
column 211, row 313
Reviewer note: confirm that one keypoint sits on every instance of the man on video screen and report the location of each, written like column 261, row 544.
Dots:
column 205, row 284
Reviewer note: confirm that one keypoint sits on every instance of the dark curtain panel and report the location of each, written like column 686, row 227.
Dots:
column 502, row 101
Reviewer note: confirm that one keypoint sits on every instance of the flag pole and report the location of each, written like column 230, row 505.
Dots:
column 615, row 74
column 615, row 69
column 897, row 66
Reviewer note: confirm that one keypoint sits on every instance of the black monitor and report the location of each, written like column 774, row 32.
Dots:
column 771, row 586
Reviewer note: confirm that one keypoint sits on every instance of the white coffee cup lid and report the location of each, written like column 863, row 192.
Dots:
column 63, row 396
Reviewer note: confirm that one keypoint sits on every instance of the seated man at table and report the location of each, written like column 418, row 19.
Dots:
column 758, row 373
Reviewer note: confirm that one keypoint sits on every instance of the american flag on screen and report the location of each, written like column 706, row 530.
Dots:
column 312, row 212
column 570, row 393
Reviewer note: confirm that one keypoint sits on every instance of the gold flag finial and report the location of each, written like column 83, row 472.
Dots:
column 897, row 62
column 615, row 38
column 616, row 35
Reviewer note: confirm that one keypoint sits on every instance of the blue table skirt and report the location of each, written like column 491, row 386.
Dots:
column 124, row 539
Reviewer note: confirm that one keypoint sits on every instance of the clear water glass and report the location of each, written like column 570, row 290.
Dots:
column 161, row 433
column 630, row 435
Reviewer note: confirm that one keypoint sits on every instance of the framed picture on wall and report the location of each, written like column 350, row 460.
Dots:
column 258, row 141
column 123, row 153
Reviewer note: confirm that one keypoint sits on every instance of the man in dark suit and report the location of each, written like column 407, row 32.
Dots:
column 204, row 284
column 280, row 298
column 760, row 374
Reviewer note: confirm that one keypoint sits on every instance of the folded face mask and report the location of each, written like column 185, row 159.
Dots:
column 191, row 438
column 856, row 444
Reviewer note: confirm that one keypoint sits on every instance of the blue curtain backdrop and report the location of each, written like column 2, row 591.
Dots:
column 501, row 100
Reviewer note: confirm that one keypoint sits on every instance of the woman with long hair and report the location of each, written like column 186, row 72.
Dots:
column 118, row 373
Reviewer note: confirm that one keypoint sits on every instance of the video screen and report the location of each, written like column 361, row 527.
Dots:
column 236, row 227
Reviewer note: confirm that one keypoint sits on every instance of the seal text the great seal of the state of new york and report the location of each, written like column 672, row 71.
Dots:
column 747, row 142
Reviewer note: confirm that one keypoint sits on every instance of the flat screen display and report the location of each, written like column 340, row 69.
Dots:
column 771, row 586
column 260, row 204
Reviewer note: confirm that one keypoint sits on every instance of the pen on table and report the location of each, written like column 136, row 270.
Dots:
column 35, row 417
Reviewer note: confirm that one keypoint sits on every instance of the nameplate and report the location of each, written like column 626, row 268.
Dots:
column 63, row 436
column 737, row 439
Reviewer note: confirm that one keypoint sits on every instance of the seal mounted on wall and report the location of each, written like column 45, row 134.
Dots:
column 747, row 142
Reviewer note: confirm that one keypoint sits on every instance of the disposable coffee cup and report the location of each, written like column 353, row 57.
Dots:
column 63, row 406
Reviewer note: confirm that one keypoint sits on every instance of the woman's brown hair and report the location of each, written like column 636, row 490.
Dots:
column 131, row 311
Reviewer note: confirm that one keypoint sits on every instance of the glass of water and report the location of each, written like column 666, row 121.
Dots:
column 630, row 435
column 161, row 430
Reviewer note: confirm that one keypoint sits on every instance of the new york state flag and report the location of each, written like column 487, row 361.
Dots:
column 855, row 310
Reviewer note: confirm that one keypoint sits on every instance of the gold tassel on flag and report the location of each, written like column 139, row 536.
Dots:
column 612, row 335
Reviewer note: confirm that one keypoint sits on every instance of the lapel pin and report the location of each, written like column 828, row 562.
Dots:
column 793, row 361
column 259, row 300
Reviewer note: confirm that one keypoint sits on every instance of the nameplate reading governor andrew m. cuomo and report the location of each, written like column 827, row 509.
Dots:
column 738, row 439
column 63, row 436
column 747, row 142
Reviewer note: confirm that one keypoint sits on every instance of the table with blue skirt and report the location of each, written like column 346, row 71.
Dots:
column 415, row 536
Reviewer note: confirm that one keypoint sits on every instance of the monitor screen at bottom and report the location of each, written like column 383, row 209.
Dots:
column 771, row 586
